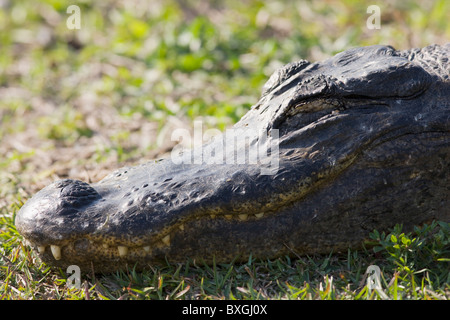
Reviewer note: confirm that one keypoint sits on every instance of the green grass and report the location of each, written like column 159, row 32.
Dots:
column 80, row 103
column 413, row 265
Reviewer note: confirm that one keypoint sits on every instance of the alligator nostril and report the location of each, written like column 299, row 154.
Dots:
column 77, row 189
column 75, row 193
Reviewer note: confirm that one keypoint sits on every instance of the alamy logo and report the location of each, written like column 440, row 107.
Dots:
column 373, row 22
column 74, row 20
column 374, row 281
column 236, row 146
column 74, row 280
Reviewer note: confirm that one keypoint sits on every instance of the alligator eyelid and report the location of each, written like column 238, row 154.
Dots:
column 315, row 106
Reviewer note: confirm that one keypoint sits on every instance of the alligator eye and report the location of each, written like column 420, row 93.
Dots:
column 316, row 105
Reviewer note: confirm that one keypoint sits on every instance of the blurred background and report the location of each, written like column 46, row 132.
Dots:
column 81, row 102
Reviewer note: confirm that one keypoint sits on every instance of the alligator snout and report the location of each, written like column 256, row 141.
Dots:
column 49, row 217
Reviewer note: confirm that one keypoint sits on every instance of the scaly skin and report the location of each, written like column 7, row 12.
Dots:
column 363, row 143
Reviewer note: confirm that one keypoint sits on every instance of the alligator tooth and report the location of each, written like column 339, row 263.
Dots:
column 243, row 217
column 166, row 240
column 41, row 249
column 181, row 227
column 123, row 250
column 259, row 215
column 147, row 248
column 228, row 216
column 56, row 251
column 212, row 216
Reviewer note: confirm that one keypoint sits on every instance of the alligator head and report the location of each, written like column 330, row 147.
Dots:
column 331, row 151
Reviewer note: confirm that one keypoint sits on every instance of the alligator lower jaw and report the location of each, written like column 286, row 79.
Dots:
column 103, row 252
column 88, row 254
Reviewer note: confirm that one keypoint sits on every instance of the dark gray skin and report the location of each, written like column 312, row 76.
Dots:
column 364, row 144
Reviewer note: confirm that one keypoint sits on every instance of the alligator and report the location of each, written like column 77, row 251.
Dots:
column 331, row 151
